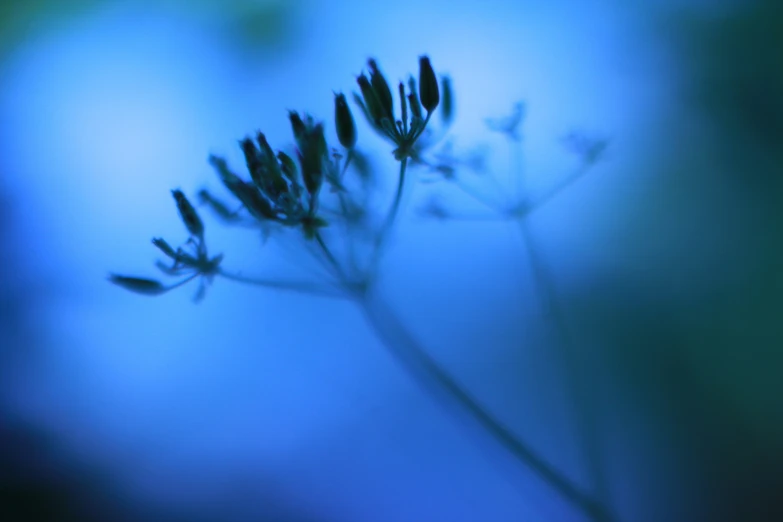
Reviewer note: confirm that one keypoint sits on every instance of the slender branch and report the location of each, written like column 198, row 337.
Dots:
column 478, row 196
column 293, row 286
column 346, row 222
column 338, row 269
column 579, row 390
column 382, row 237
column 554, row 191
column 403, row 346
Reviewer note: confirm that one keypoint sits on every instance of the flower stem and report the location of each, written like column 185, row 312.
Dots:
column 579, row 390
column 293, row 286
column 338, row 270
column 403, row 346
column 382, row 237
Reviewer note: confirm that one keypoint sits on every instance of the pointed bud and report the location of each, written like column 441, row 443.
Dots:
column 253, row 160
column 413, row 99
column 311, row 159
column 297, row 126
column 344, row 122
column 371, row 102
column 288, row 167
column 138, row 284
column 217, row 206
column 447, row 103
column 188, row 214
column 164, row 247
column 428, row 85
column 381, row 88
column 274, row 184
column 404, row 105
column 246, row 193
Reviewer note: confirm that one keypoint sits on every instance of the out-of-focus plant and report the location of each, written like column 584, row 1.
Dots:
column 309, row 189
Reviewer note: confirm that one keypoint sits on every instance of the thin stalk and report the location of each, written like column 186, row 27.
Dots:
column 579, row 390
column 406, row 350
column 292, row 286
column 382, row 237
column 338, row 270
column 346, row 223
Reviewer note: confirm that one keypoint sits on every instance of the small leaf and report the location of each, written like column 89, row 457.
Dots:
column 138, row 284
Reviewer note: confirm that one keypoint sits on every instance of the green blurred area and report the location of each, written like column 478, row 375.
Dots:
column 251, row 24
column 693, row 322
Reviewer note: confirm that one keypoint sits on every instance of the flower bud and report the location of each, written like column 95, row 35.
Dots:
column 274, row 184
column 447, row 105
column 371, row 102
column 297, row 126
column 138, row 284
column 381, row 88
column 344, row 122
column 311, row 158
column 428, row 85
column 164, row 247
column 404, row 105
column 413, row 99
column 188, row 214
column 253, row 160
column 217, row 206
column 288, row 166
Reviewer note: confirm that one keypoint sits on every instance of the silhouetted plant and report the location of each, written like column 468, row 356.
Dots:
column 339, row 229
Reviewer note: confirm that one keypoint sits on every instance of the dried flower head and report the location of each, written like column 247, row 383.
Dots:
column 376, row 102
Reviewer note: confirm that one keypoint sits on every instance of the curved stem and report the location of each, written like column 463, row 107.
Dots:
column 403, row 346
column 293, row 286
column 578, row 390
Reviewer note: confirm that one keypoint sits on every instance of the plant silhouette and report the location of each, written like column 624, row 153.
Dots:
column 308, row 190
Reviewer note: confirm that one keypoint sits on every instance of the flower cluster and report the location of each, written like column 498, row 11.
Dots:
column 377, row 103
column 286, row 190
column 279, row 189
column 192, row 264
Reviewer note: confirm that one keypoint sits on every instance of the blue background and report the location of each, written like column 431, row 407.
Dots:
column 265, row 405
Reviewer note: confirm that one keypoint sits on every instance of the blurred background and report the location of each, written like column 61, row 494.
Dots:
column 262, row 405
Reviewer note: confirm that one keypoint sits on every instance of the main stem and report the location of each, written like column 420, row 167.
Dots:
column 391, row 217
column 579, row 390
column 404, row 347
